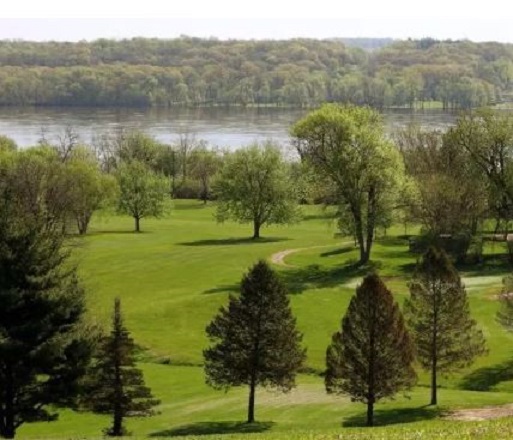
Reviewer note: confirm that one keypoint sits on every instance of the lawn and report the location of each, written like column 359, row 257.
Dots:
column 173, row 277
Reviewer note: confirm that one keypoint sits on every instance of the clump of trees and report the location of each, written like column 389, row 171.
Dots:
column 300, row 72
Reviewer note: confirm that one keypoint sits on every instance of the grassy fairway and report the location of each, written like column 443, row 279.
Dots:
column 173, row 277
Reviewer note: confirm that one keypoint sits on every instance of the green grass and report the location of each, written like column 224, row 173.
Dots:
column 173, row 277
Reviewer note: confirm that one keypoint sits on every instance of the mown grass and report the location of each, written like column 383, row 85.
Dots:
column 173, row 277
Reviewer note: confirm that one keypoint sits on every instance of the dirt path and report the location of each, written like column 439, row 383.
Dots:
column 479, row 414
column 279, row 257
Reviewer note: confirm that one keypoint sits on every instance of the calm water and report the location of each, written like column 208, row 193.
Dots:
column 222, row 127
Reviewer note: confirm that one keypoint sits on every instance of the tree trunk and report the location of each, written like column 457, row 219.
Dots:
column 8, row 429
column 434, row 353
column 434, row 397
column 256, row 229
column 370, row 413
column 137, row 226
column 251, row 401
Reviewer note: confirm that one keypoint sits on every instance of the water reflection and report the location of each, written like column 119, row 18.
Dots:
column 230, row 127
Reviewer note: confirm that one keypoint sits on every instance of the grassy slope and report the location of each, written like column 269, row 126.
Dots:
column 173, row 278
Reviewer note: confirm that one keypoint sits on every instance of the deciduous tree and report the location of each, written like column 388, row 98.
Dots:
column 347, row 146
column 255, row 185
column 142, row 191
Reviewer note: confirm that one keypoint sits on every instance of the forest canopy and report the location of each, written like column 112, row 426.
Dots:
column 187, row 71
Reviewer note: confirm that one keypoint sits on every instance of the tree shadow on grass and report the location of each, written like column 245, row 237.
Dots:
column 234, row 241
column 227, row 288
column 484, row 379
column 215, row 428
column 385, row 417
column 316, row 277
column 339, row 251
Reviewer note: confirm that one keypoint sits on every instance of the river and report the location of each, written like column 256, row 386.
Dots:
column 232, row 127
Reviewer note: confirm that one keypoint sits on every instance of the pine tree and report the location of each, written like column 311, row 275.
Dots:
column 438, row 313
column 371, row 357
column 44, row 349
column 116, row 385
column 255, row 340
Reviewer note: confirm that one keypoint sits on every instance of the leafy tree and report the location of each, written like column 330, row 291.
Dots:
column 136, row 146
column 451, row 192
column 438, row 313
column 487, row 137
column 7, row 144
column 254, row 340
column 371, row 357
column 88, row 188
column 255, row 185
column 116, row 386
column 346, row 145
column 142, row 191
column 204, row 165
column 44, row 345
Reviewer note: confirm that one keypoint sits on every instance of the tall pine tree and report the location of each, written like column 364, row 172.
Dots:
column 371, row 357
column 438, row 313
column 255, row 340
column 116, row 386
column 43, row 346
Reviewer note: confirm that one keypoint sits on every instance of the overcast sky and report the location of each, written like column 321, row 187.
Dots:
column 91, row 19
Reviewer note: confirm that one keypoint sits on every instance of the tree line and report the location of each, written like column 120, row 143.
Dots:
column 451, row 183
column 189, row 71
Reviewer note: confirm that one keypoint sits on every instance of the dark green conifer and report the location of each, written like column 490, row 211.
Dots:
column 43, row 346
column 371, row 357
column 438, row 313
column 116, row 386
column 254, row 340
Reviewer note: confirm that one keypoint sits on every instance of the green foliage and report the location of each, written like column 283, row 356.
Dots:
column 299, row 72
column 88, row 188
column 346, row 146
column 445, row 335
column 487, row 138
column 255, row 185
column 255, row 340
column 142, row 191
column 44, row 345
column 115, row 385
column 7, row 144
column 450, row 194
column 371, row 357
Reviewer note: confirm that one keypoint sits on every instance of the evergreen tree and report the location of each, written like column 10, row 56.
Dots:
column 255, row 340
column 43, row 350
column 445, row 335
column 116, row 385
column 371, row 357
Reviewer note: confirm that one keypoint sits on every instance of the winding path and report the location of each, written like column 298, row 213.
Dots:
column 278, row 258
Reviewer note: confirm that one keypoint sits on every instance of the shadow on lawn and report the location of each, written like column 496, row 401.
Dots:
column 385, row 417
column 484, row 379
column 215, row 428
column 227, row 288
column 314, row 276
column 234, row 241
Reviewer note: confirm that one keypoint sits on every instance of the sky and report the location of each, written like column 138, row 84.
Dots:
column 273, row 19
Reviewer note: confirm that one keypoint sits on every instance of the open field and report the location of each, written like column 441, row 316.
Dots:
column 173, row 277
